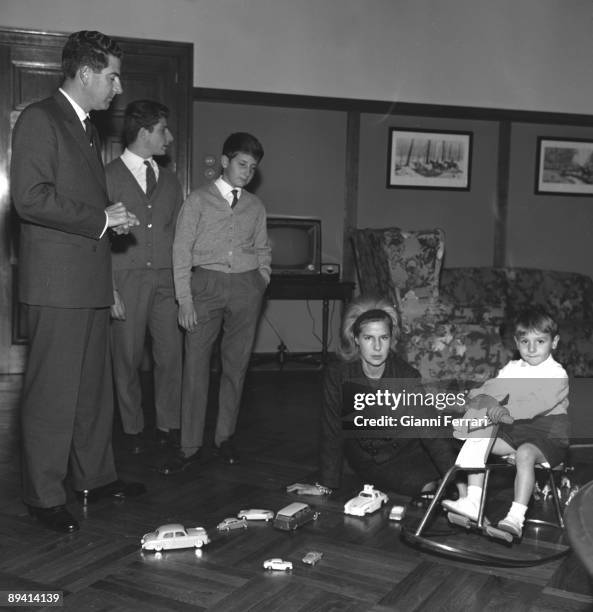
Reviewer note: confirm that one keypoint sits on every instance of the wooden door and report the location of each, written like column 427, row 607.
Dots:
column 30, row 70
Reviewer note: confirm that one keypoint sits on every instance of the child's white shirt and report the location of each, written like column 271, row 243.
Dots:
column 532, row 390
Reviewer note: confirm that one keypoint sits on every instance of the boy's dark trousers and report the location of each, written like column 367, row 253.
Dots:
column 233, row 302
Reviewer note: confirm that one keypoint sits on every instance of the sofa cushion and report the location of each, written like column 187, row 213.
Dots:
column 567, row 295
column 474, row 294
column 468, row 352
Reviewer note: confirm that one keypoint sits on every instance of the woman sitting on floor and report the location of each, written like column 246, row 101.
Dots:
column 405, row 460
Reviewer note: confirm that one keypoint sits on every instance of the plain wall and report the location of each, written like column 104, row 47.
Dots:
column 301, row 173
column 522, row 54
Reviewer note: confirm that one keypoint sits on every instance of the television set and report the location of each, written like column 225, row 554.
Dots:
column 296, row 245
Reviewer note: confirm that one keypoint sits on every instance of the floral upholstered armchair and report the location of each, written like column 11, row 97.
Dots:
column 436, row 337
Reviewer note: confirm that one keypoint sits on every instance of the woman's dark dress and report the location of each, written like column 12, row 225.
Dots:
column 398, row 463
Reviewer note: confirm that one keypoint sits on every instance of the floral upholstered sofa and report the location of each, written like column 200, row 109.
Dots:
column 457, row 322
column 497, row 295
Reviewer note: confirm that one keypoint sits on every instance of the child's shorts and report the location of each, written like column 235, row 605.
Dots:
column 548, row 433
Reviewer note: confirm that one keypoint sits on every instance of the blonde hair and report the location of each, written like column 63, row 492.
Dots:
column 354, row 317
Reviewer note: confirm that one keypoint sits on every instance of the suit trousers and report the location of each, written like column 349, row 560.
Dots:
column 230, row 302
column 67, row 403
column 149, row 300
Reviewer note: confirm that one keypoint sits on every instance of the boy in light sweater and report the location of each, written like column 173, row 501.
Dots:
column 534, row 425
column 221, row 266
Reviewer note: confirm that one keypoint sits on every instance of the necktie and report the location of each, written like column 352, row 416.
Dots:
column 88, row 128
column 150, row 179
column 235, row 197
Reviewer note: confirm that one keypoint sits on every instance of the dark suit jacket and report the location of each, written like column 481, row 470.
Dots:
column 58, row 188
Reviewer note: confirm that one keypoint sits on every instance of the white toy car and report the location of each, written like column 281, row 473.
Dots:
column 232, row 523
column 256, row 514
column 367, row 501
column 278, row 564
column 174, row 535
column 397, row 513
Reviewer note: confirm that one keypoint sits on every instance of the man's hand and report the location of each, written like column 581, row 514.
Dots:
column 118, row 308
column 187, row 317
column 301, row 488
column 499, row 414
column 119, row 219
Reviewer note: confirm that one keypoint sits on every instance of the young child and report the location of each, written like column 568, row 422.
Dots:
column 534, row 423
column 221, row 267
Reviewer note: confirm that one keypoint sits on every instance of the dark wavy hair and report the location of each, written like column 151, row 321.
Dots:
column 242, row 142
column 361, row 310
column 142, row 114
column 87, row 48
column 536, row 318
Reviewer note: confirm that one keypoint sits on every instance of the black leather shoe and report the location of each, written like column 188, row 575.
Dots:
column 135, row 443
column 168, row 439
column 56, row 518
column 180, row 463
column 227, row 452
column 117, row 489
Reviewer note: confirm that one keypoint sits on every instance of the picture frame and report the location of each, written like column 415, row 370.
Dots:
column 429, row 159
column 564, row 166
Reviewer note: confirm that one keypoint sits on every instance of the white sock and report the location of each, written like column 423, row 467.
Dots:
column 517, row 511
column 474, row 493
column 473, row 453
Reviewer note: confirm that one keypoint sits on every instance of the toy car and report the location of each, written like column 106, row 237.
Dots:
column 294, row 515
column 174, row 535
column 256, row 514
column 312, row 557
column 367, row 501
column 278, row 564
column 397, row 513
column 232, row 523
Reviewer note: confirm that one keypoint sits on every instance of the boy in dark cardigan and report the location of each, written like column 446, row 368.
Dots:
column 144, row 294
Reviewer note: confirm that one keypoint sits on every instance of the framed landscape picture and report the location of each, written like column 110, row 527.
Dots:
column 564, row 167
column 429, row 159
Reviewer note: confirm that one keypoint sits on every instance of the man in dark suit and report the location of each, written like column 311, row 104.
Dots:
column 59, row 191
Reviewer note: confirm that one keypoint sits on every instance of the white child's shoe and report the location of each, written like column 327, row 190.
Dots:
column 511, row 525
column 464, row 506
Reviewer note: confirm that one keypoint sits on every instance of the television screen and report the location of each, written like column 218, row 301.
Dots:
column 296, row 245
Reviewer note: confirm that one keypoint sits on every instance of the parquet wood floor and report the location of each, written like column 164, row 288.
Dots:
column 365, row 567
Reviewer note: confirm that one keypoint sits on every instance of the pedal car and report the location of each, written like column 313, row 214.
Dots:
column 256, row 514
column 367, row 501
column 293, row 516
column 174, row 535
column 278, row 564
column 232, row 523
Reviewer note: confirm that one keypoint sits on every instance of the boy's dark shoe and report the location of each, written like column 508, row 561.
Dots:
column 180, row 463
column 135, row 443
column 170, row 439
column 56, row 518
column 227, row 452
column 117, row 489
